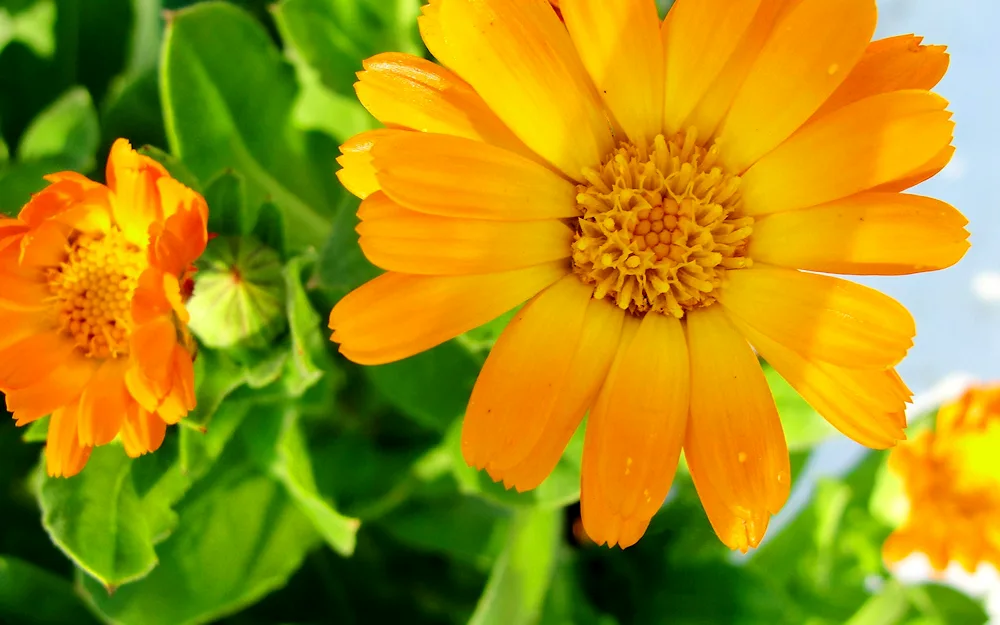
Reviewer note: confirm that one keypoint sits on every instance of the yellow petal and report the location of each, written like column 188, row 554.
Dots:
column 866, row 234
column 103, row 404
column 406, row 91
column 699, row 38
column 855, row 148
column 806, row 58
column 455, row 177
column 520, row 59
column 635, row 431
column 398, row 239
column 397, row 315
column 734, row 445
column 924, row 172
column 429, row 23
column 891, row 64
column 718, row 98
column 64, row 456
column 142, row 431
column 866, row 405
column 531, row 380
column 135, row 199
column 619, row 43
column 357, row 173
column 734, row 531
column 820, row 317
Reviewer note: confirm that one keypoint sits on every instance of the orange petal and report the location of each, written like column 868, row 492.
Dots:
column 530, row 380
column 635, row 431
column 820, row 317
column 456, row 177
column 398, row 239
column 181, row 399
column 594, row 354
column 891, row 64
column 62, row 386
column 31, row 359
column 619, row 44
column 734, row 445
column 64, row 456
column 520, row 59
column 717, row 100
column 103, row 404
column 868, row 406
column 855, row 148
column 45, row 246
column 152, row 346
column 866, row 234
column 356, row 173
column 135, row 200
column 397, row 315
column 410, row 92
column 18, row 325
column 142, row 431
column 806, row 58
column 184, row 234
column 699, row 39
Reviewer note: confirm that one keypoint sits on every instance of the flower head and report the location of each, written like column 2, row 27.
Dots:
column 93, row 280
column 655, row 189
column 951, row 477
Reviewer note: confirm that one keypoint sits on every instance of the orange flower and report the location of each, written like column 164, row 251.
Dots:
column 951, row 478
column 93, row 320
column 655, row 190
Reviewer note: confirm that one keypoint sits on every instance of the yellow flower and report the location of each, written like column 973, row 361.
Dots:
column 654, row 190
column 92, row 320
column 951, row 478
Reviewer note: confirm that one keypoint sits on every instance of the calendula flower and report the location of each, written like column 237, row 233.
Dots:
column 951, row 478
column 93, row 279
column 655, row 189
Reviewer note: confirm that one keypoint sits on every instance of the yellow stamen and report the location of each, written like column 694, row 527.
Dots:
column 93, row 289
column 660, row 227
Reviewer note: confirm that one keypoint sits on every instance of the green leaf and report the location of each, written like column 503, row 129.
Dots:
column 68, row 128
column 33, row 596
column 19, row 180
column 238, row 538
column 239, row 294
column 269, row 227
column 177, row 169
column 561, row 488
column 227, row 202
column 463, row 528
column 888, row 607
column 342, row 265
column 103, row 522
column 941, row 605
column 803, row 426
column 889, row 503
column 200, row 449
column 308, row 344
column 132, row 109
column 275, row 436
column 33, row 26
column 37, row 432
column 334, row 36
column 432, row 387
column 515, row 592
column 216, row 377
column 223, row 114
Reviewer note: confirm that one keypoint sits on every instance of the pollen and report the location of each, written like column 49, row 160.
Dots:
column 93, row 291
column 660, row 226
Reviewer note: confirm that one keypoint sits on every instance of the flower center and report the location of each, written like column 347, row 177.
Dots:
column 660, row 227
column 93, row 288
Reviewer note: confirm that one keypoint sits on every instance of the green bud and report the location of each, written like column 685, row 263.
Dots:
column 239, row 294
